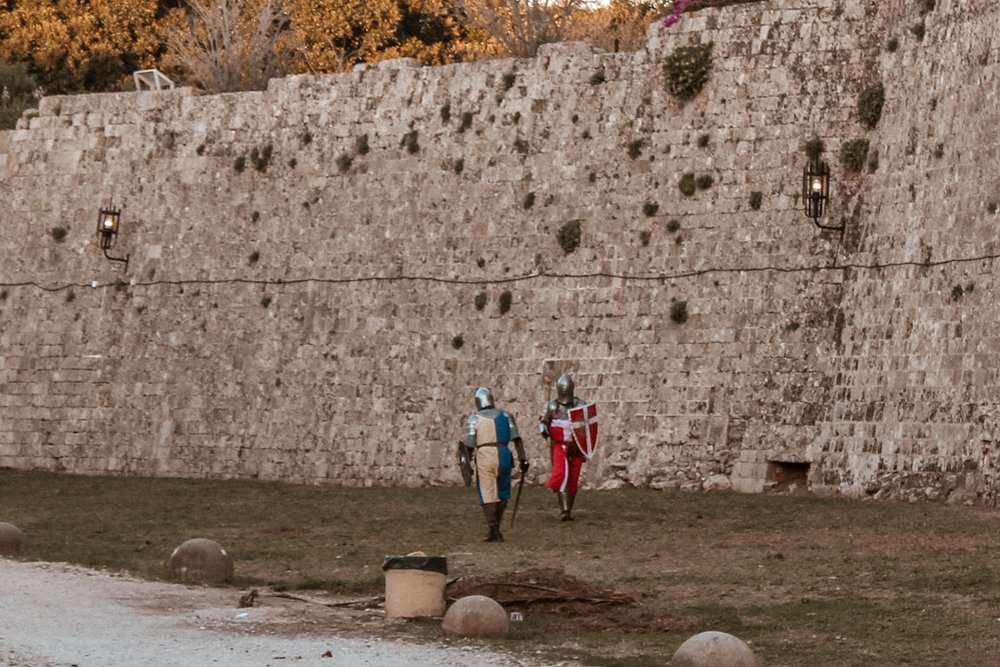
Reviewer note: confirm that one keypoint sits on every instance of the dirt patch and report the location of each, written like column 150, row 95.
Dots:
column 554, row 592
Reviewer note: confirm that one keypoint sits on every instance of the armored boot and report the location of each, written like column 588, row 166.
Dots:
column 492, row 513
column 565, row 505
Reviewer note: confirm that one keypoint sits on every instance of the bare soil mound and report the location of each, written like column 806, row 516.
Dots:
column 554, row 592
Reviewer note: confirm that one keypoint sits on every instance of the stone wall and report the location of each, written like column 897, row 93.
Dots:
column 306, row 264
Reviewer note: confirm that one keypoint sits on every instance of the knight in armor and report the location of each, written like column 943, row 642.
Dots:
column 567, row 459
column 488, row 435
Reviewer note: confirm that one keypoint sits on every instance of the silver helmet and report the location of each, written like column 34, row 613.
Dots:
column 484, row 398
column 564, row 390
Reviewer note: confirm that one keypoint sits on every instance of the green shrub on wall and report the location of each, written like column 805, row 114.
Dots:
column 870, row 102
column 853, row 154
column 686, row 70
column 18, row 93
column 679, row 311
column 688, row 184
column 569, row 236
column 504, row 303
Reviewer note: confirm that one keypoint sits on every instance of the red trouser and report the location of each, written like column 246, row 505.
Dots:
column 565, row 470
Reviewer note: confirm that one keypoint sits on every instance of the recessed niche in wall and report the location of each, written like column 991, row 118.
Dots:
column 788, row 476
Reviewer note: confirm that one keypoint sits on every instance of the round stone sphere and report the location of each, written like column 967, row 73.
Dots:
column 10, row 537
column 201, row 561
column 713, row 649
column 476, row 617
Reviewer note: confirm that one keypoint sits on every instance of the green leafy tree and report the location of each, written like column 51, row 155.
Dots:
column 76, row 45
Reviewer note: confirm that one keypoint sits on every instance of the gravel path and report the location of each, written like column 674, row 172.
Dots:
column 55, row 615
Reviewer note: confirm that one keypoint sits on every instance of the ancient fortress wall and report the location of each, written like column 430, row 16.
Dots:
column 324, row 313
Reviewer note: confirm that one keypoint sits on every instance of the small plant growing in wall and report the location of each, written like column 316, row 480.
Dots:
column 644, row 237
column 307, row 138
column 679, row 312
column 521, row 146
column 703, row 141
column 260, row 158
column 814, row 148
column 265, row 301
column 704, row 182
column 457, row 342
column 792, row 326
column 458, row 166
column 361, row 145
column 504, row 302
column 466, row 121
column 756, row 199
column 853, row 154
column 918, row 30
column 446, row 112
column 686, row 70
column 529, row 200
column 253, row 258
column 58, row 234
column 344, row 162
column 569, row 236
column 508, row 81
column 200, row 150
column 480, row 300
column 870, row 102
column 673, row 225
column 410, row 140
column 687, row 184
column 892, row 44
column 635, row 149
column 597, row 78
column 240, row 164
column 650, row 208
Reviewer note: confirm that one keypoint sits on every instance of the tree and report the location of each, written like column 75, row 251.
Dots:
column 230, row 45
column 620, row 25
column 334, row 35
column 520, row 26
column 77, row 45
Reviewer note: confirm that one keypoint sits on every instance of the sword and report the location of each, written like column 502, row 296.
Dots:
column 517, row 500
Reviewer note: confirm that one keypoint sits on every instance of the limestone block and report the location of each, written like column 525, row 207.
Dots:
column 10, row 537
column 713, row 649
column 717, row 483
column 201, row 561
column 478, row 617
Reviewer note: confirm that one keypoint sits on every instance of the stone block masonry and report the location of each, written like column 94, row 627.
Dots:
column 322, row 273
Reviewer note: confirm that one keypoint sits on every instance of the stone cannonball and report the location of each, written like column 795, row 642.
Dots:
column 477, row 617
column 713, row 649
column 201, row 561
column 10, row 537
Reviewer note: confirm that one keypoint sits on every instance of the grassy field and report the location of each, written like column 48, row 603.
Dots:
column 806, row 581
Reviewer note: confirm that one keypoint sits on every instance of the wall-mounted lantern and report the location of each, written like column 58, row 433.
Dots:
column 816, row 192
column 108, row 221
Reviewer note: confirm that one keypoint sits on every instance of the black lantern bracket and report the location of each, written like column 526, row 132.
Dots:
column 108, row 222
column 816, row 193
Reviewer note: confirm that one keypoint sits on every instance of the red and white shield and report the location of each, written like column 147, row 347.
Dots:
column 584, row 421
